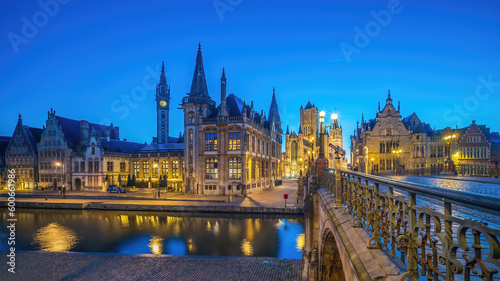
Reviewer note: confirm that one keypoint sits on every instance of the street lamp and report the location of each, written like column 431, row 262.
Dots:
column 449, row 139
column 58, row 164
column 372, row 164
column 397, row 153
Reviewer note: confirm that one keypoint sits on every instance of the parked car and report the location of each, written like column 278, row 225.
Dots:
column 115, row 188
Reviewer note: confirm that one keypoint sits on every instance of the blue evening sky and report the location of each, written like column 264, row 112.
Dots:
column 97, row 60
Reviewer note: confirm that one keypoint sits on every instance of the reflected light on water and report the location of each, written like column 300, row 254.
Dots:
column 216, row 228
column 246, row 247
column 156, row 245
column 124, row 221
column 301, row 241
column 55, row 238
column 190, row 245
column 209, row 226
column 250, row 231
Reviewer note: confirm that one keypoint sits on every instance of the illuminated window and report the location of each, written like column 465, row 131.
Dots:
column 136, row 168
column 210, row 141
column 122, row 167
column 164, row 168
column 234, row 141
column 145, row 169
column 175, row 169
column 235, row 168
column 211, row 168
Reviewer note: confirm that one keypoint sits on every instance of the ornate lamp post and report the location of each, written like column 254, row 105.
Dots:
column 449, row 139
column 58, row 164
column 397, row 153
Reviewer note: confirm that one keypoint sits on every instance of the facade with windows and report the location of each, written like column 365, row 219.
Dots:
column 21, row 154
column 302, row 147
column 390, row 141
column 229, row 148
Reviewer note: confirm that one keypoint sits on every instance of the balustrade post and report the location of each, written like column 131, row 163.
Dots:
column 376, row 216
column 412, row 247
column 448, row 239
column 338, row 189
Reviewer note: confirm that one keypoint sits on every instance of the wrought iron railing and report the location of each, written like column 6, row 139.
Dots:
column 479, row 170
column 433, row 242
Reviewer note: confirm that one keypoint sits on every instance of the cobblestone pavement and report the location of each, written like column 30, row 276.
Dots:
column 80, row 266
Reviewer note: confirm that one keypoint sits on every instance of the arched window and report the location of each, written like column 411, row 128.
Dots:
column 190, row 136
column 190, row 117
column 93, row 148
column 293, row 153
column 162, row 136
column 211, row 168
column 96, row 165
column 163, row 124
column 90, row 169
column 162, row 114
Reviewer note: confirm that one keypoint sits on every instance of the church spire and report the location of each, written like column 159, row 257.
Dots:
column 287, row 130
column 223, row 107
column 199, row 84
column 163, row 78
column 274, row 114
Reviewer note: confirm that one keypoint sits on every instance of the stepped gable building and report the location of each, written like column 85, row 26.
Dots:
column 21, row 154
column 389, row 141
column 299, row 147
column 64, row 139
column 230, row 148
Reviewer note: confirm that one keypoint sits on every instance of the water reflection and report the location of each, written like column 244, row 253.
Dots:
column 246, row 248
column 161, row 233
column 301, row 241
column 55, row 238
column 156, row 245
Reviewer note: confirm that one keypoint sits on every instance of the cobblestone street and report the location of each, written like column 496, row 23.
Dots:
column 77, row 266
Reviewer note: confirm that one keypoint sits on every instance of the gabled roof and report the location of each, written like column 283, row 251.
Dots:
column 71, row 130
column 34, row 136
column 120, row 146
column 234, row 105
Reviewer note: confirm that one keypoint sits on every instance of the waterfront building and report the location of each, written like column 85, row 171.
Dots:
column 230, row 148
column 63, row 139
column 4, row 142
column 389, row 141
column 304, row 145
column 21, row 154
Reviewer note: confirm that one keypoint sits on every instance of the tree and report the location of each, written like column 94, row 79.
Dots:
column 129, row 181
column 133, row 183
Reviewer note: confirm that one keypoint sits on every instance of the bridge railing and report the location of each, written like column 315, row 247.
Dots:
column 423, row 226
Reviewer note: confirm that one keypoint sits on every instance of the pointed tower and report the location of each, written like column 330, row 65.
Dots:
column 223, row 112
column 274, row 114
column 199, row 84
column 162, row 107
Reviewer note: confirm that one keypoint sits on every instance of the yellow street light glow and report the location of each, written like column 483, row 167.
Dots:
column 335, row 116
column 454, row 136
column 322, row 114
column 322, row 120
column 58, row 164
column 373, row 159
column 312, row 139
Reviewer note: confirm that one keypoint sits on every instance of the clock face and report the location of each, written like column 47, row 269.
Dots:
column 163, row 103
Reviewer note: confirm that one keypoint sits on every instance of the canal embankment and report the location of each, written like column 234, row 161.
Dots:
column 149, row 205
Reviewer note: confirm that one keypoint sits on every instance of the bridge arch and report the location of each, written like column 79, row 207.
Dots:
column 330, row 263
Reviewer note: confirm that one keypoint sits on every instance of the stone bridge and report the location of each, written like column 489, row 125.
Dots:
column 365, row 227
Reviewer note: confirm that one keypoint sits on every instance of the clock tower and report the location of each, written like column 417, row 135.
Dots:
column 162, row 107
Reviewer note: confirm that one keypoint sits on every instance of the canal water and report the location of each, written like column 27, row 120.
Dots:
column 280, row 236
column 488, row 189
